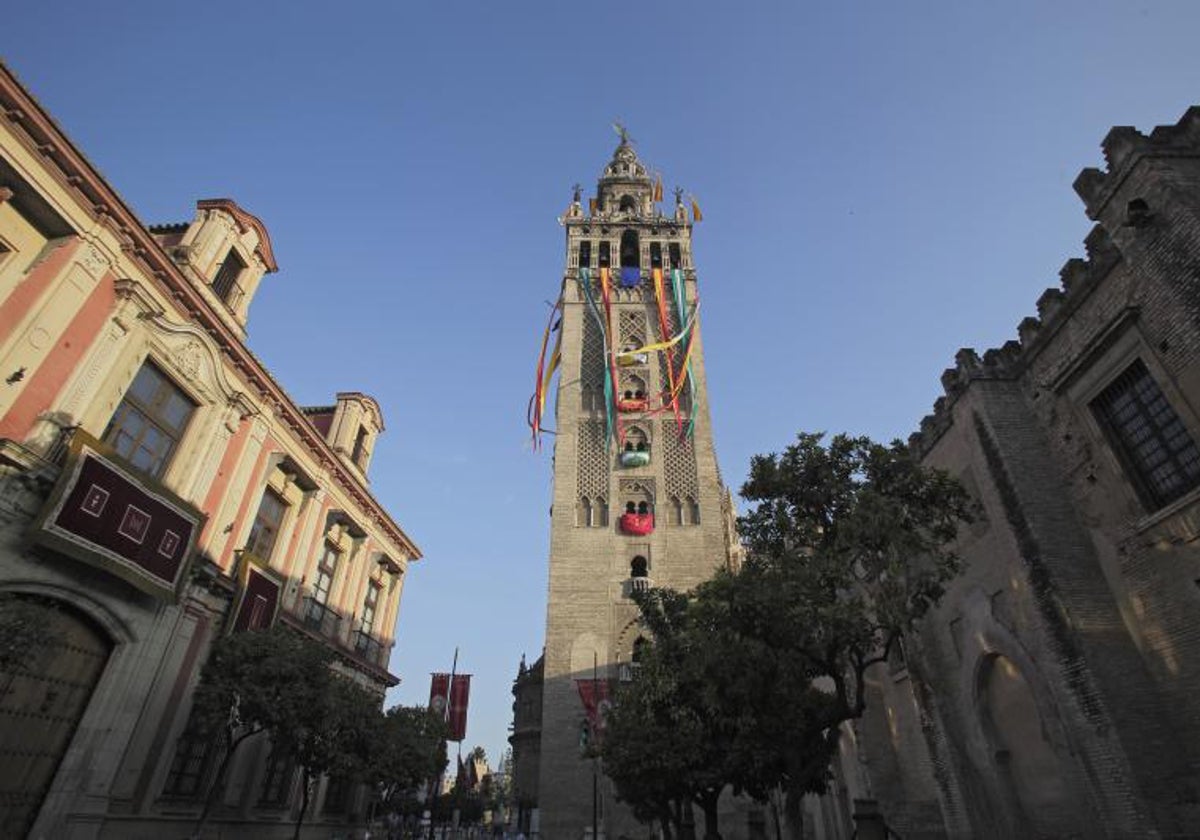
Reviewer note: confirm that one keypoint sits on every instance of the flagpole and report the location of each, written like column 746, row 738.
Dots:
column 433, row 783
column 595, row 780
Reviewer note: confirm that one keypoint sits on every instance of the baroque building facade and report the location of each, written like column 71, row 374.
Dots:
column 638, row 498
column 1053, row 692
column 158, row 489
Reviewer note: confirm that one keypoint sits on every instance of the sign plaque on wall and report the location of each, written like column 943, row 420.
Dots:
column 106, row 514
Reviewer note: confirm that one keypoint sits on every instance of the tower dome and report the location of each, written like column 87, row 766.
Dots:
column 625, row 187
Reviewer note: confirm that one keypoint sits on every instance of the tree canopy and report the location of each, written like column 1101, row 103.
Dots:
column 752, row 673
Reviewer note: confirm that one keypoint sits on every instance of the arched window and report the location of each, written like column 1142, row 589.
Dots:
column 693, row 511
column 630, row 252
column 631, row 507
column 674, row 255
column 677, row 510
column 638, row 567
column 583, row 513
column 585, row 254
column 604, row 258
column 628, row 205
column 656, row 255
column 643, row 507
column 600, row 512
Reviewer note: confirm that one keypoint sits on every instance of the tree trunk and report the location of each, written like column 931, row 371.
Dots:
column 687, row 820
column 793, row 813
column 303, row 803
column 217, row 787
column 708, row 804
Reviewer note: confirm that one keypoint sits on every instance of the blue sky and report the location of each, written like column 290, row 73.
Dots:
column 882, row 183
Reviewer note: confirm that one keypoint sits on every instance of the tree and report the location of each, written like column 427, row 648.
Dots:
column 252, row 683
column 752, row 674
column 848, row 546
column 409, row 750
column 327, row 729
column 667, row 740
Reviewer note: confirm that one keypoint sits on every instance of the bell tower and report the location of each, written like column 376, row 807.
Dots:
column 638, row 496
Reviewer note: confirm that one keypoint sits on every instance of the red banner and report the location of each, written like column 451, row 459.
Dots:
column 439, row 694
column 460, row 693
column 594, row 694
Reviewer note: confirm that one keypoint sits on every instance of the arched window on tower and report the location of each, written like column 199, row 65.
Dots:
column 656, row 255
column 600, row 512
column 628, row 204
column 585, row 254
column 638, row 567
column 676, row 511
column 631, row 252
column 604, row 257
column 674, row 255
column 693, row 511
column 583, row 513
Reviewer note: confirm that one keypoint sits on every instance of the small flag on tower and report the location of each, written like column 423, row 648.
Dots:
column 591, row 207
column 697, row 216
column 658, row 189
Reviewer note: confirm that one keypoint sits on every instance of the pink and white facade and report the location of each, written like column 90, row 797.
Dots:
column 158, row 488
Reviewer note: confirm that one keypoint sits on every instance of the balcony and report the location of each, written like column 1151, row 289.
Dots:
column 630, row 405
column 637, row 524
column 369, row 649
column 636, row 584
column 635, row 458
column 319, row 618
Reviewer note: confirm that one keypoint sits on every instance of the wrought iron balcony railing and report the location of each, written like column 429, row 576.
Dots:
column 320, row 617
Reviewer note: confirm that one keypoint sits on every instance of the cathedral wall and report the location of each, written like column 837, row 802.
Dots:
column 1076, row 605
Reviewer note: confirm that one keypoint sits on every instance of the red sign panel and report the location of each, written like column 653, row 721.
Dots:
column 259, row 601
column 106, row 515
column 460, row 692
column 439, row 694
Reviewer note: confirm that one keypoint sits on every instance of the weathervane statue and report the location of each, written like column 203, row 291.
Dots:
column 622, row 132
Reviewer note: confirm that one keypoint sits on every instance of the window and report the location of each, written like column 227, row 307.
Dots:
column 585, row 254
column 326, row 572
column 656, row 255
column 187, row 767
column 149, row 422
column 267, row 522
column 337, row 795
column 638, row 567
column 604, row 257
column 630, row 251
column 674, row 256
column 1150, row 439
column 369, row 606
column 224, row 285
column 277, row 779
column 359, row 455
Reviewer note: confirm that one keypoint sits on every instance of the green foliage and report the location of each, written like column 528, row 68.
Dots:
column 752, row 673
column 409, row 750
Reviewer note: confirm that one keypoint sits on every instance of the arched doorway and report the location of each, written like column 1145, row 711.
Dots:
column 1024, row 755
column 44, row 690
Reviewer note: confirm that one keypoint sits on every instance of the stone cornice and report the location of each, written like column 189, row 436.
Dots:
column 246, row 221
column 73, row 171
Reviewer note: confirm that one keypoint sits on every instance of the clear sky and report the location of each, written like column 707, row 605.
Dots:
column 882, row 183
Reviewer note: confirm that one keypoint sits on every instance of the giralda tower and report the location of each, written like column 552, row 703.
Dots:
column 638, row 496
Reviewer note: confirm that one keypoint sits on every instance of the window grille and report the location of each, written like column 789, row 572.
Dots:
column 224, row 285
column 1153, row 444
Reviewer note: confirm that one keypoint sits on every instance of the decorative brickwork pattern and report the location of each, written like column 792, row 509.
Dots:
column 633, row 328
column 679, row 463
column 591, row 362
column 593, row 464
